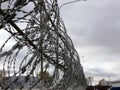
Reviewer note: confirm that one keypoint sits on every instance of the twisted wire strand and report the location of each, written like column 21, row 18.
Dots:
column 42, row 42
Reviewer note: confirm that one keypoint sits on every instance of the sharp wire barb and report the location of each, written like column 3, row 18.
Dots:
column 41, row 54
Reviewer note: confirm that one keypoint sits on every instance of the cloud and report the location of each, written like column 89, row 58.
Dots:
column 100, row 73
column 94, row 28
column 97, row 25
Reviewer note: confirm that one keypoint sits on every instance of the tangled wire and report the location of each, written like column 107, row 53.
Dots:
column 40, row 49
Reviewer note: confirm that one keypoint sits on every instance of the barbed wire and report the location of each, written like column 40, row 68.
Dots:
column 41, row 45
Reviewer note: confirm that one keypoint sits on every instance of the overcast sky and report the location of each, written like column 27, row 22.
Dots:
column 94, row 27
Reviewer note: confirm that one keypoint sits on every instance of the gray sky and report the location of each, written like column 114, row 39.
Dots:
column 94, row 27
